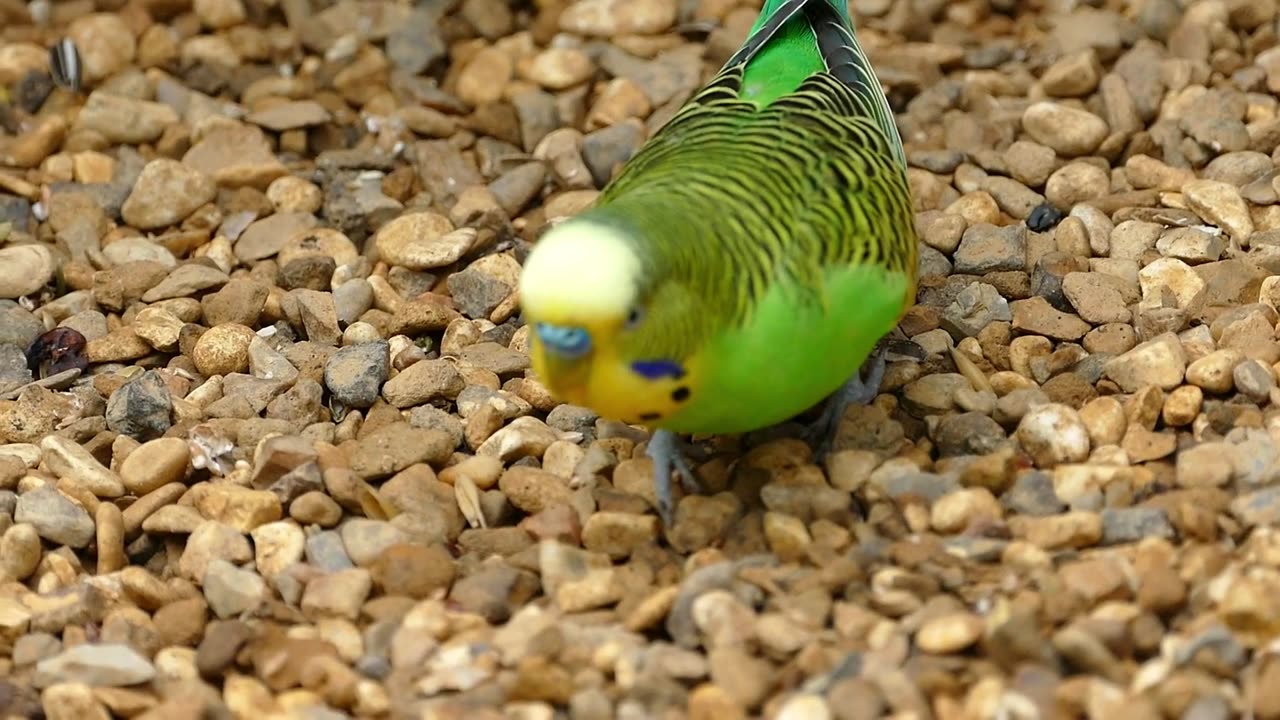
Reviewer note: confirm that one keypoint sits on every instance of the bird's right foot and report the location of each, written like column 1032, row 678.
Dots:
column 668, row 454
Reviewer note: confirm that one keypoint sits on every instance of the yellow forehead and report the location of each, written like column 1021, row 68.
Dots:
column 579, row 272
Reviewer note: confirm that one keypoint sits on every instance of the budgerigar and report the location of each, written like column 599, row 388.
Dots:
column 745, row 263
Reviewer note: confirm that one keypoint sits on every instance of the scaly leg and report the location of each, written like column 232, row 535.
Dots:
column 668, row 453
column 855, row 391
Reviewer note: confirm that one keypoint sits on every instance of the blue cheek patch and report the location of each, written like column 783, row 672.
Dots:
column 658, row 369
column 569, row 342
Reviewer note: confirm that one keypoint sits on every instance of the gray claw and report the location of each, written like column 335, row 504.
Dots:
column 855, row 391
column 667, row 453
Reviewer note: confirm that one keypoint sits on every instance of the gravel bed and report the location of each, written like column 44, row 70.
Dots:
column 270, row 446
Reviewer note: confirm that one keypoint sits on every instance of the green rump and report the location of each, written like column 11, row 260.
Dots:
column 789, row 57
column 774, row 224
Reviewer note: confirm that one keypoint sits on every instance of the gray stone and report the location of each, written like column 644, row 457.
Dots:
column 1127, row 525
column 607, row 148
column 141, row 408
column 17, row 325
column 104, row 665
column 976, row 307
column 929, row 486
column 13, row 367
column 986, row 248
column 1033, row 494
column 326, row 552
column 970, row 433
column 1260, row 507
column 417, row 44
column 55, row 517
column 355, row 374
column 476, row 292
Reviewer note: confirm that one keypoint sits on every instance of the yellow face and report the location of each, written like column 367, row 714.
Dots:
column 608, row 383
column 578, row 294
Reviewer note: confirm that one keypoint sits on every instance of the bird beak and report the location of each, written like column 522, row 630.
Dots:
column 562, row 358
column 565, row 377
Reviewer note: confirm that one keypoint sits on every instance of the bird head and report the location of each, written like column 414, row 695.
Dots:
column 582, row 295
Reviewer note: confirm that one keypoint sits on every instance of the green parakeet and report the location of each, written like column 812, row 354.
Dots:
column 746, row 262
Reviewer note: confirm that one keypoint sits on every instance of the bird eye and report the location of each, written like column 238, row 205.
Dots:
column 634, row 317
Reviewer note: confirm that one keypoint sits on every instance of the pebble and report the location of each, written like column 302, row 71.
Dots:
column 291, row 115
column 1073, row 75
column 238, row 155
column 55, row 517
column 1036, row 315
column 68, row 459
column 422, row 241
column 24, row 269
column 240, row 508
column 309, row 469
column 533, row 490
column 1191, row 245
column 1075, row 529
column 104, row 665
column 1033, row 494
column 141, row 408
column 184, row 281
column 211, row 540
column 1254, row 379
column 125, row 120
column 339, row 594
column 1220, row 204
column 165, row 194
column 105, row 45
column 1159, row 361
column 1131, row 525
column 1169, row 282
column 608, row 18
column 975, row 308
column 965, row 508
column 1095, row 298
column 355, row 374
column 1053, row 434
column 483, row 77
column 1076, row 182
column 413, row 570
column 987, row 248
column 1204, row 465
column 558, row 68
column 230, row 591
column 949, row 633
column 1070, row 132
column 20, row 552
column 1215, row 372
column 422, row 382
column 223, row 349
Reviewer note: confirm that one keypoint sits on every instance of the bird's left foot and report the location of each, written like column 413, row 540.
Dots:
column 856, row 391
column 669, row 453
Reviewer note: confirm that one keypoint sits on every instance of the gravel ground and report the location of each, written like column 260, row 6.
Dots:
column 269, row 445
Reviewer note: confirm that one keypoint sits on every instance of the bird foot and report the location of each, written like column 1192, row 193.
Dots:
column 669, row 453
column 856, row 391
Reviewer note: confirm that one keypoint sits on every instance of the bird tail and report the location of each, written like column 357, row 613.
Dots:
column 785, row 9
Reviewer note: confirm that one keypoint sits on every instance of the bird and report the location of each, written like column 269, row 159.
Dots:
column 746, row 262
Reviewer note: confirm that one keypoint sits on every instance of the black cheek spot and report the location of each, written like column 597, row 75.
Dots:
column 680, row 394
column 650, row 416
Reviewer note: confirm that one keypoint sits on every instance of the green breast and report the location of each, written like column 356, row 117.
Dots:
column 791, row 356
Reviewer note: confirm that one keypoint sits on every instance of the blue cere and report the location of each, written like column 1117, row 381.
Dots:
column 567, row 341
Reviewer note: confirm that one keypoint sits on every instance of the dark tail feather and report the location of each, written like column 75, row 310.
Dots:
column 765, row 32
column 849, row 64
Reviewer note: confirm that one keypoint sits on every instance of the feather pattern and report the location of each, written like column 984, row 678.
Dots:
column 820, row 24
column 815, row 179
